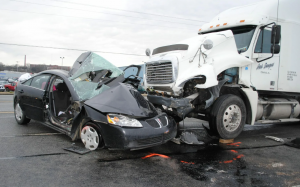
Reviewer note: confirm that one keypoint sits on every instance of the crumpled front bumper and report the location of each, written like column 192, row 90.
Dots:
column 120, row 138
column 183, row 105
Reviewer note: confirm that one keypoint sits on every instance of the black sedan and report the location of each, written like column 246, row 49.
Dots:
column 93, row 102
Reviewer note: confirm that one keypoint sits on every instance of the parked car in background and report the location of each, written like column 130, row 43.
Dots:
column 2, row 88
column 11, row 86
column 2, row 83
column 93, row 102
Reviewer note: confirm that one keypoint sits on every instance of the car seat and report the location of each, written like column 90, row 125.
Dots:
column 62, row 97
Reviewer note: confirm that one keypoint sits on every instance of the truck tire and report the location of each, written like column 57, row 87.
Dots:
column 228, row 116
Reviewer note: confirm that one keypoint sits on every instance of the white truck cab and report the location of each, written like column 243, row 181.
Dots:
column 242, row 67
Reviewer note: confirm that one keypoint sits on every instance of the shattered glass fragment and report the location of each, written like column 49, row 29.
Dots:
column 86, row 90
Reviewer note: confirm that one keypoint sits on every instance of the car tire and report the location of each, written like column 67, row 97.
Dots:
column 228, row 116
column 91, row 137
column 19, row 115
column 7, row 89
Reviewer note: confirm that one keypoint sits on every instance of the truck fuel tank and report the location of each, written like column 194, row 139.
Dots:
column 277, row 108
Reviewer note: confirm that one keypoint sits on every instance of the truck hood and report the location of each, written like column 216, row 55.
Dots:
column 122, row 99
column 222, row 56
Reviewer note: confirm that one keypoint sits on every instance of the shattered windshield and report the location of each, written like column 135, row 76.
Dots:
column 86, row 90
column 89, row 73
column 93, row 63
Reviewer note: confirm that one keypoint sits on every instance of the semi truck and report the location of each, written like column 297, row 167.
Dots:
column 241, row 68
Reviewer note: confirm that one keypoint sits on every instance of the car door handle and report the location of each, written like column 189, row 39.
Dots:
column 21, row 91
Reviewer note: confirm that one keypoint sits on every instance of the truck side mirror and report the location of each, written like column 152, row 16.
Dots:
column 148, row 52
column 275, row 49
column 276, row 34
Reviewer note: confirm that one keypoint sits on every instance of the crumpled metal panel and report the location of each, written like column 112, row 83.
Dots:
column 120, row 100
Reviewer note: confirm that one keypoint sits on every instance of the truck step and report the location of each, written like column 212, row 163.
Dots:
column 278, row 120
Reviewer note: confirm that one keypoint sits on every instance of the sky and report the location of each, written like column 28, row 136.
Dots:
column 128, row 27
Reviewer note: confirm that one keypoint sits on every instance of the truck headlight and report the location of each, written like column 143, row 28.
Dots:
column 122, row 121
column 208, row 44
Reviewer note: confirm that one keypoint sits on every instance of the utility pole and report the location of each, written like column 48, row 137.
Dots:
column 17, row 65
column 62, row 61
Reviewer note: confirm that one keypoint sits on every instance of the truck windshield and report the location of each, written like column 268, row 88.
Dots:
column 242, row 36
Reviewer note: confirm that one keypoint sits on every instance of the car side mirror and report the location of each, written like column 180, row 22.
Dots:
column 148, row 52
column 275, row 49
column 276, row 34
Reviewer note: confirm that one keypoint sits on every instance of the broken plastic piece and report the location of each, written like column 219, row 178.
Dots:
column 60, row 113
column 190, row 138
column 275, row 138
column 176, row 140
column 77, row 149
column 294, row 142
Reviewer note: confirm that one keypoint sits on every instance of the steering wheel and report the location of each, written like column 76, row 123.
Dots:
column 135, row 77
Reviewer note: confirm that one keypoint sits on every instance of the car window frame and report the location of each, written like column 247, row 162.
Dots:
column 23, row 83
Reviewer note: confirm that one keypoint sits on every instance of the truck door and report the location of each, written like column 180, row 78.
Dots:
column 264, row 73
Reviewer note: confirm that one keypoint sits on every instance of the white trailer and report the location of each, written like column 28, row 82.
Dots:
column 242, row 67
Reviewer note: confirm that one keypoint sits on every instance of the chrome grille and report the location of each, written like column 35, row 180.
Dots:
column 153, row 123
column 159, row 72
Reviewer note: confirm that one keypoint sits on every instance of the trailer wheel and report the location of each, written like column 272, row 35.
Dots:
column 228, row 116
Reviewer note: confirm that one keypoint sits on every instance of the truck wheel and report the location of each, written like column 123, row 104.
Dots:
column 20, row 116
column 228, row 116
column 7, row 89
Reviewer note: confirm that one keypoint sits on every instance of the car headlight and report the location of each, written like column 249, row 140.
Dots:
column 123, row 121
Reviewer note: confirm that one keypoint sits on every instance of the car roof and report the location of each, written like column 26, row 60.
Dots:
column 58, row 72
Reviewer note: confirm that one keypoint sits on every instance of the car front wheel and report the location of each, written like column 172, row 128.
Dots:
column 20, row 116
column 228, row 116
column 91, row 137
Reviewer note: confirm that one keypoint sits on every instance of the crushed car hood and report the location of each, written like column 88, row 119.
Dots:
column 122, row 99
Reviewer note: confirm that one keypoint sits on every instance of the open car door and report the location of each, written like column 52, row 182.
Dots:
column 33, row 95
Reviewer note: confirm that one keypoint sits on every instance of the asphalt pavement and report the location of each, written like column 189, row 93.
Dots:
column 33, row 155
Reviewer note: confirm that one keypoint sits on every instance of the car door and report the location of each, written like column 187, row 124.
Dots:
column 264, row 71
column 32, row 95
